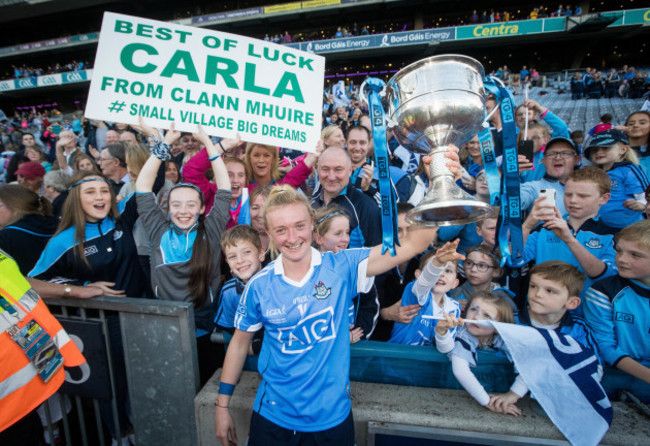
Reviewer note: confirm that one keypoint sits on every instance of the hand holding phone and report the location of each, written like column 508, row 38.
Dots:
column 548, row 196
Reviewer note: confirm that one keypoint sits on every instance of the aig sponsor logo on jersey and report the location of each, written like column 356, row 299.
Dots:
column 625, row 317
column 315, row 328
column 90, row 250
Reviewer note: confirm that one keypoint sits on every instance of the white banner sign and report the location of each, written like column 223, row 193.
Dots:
column 230, row 84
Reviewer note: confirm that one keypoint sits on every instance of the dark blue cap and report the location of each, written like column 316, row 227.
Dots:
column 607, row 138
column 564, row 140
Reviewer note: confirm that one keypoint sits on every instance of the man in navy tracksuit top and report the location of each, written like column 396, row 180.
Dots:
column 334, row 170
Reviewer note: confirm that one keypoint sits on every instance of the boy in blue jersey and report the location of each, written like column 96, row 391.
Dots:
column 242, row 249
column 436, row 276
column 618, row 310
column 553, row 291
column 580, row 239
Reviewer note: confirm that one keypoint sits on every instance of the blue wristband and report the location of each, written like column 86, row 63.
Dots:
column 214, row 158
column 225, row 388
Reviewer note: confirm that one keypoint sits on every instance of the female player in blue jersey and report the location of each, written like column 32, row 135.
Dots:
column 302, row 300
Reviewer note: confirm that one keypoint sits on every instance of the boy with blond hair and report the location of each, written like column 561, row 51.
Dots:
column 580, row 239
column 618, row 311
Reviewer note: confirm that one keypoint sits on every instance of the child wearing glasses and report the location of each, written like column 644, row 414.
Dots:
column 435, row 277
column 482, row 269
column 472, row 337
column 581, row 239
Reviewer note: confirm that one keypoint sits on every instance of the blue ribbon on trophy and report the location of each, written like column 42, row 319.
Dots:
column 372, row 88
column 510, row 236
column 490, row 166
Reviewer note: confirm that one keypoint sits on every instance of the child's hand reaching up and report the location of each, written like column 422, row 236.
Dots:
column 450, row 321
column 447, row 254
column 505, row 403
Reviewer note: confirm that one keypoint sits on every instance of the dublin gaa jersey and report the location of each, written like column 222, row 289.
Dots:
column 305, row 357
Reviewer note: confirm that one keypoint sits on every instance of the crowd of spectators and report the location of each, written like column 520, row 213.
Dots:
column 55, row 158
column 628, row 82
column 24, row 71
column 353, row 29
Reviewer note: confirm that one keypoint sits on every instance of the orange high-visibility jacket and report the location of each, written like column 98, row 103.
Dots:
column 21, row 388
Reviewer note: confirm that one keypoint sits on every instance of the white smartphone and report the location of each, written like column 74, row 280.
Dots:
column 549, row 197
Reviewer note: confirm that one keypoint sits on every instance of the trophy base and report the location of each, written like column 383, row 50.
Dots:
column 449, row 213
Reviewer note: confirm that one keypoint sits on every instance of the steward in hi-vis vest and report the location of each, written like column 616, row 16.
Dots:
column 33, row 347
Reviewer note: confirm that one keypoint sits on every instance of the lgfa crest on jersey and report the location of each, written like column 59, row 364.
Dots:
column 322, row 292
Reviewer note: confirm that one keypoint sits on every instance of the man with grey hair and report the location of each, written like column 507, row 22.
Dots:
column 334, row 170
column 112, row 161
column 56, row 184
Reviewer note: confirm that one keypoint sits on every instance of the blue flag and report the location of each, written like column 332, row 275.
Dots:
column 564, row 377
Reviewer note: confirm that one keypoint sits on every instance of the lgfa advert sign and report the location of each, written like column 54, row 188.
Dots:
column 229, row 84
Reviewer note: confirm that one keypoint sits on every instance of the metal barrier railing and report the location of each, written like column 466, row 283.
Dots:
column 142, row 348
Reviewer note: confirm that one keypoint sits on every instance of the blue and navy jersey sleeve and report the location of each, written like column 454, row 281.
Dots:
column 635, row 180
column 249, row 314
column 53, row 263
column 227, row 304
column 599, row 312
column 581, row 332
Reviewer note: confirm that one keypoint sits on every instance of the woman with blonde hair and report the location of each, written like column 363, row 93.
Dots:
column 332, row 135
column 302, row 300
column 262, row 166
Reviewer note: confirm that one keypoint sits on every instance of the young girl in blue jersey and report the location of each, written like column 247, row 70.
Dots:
column 435, row 277
column 610, row 151
column 332, row 233
column 473, row 337
column 302, row 300
column 186, row 242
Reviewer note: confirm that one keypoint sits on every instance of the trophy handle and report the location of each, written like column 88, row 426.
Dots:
column 362, row 95
column 496, row 80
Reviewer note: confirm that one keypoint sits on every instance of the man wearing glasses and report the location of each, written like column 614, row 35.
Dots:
column 561, row 157
column 112, row 161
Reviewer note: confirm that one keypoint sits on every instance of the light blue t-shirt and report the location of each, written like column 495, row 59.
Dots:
column 305, row 357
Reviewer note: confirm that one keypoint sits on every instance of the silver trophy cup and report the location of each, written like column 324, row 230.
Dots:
column 431, row 103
